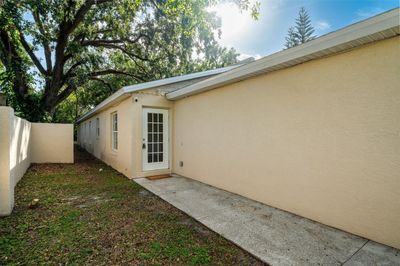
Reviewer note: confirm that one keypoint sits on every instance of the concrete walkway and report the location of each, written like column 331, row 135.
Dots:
column 275, row 236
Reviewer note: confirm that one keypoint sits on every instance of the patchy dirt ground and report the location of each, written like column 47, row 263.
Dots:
column 90, row 216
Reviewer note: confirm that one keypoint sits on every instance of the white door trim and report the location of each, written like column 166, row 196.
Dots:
column 158, row 165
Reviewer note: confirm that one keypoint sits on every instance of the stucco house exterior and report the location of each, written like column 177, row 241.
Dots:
column 313, row 130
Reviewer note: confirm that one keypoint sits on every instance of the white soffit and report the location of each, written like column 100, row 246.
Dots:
column 125, row 91
column 383, row 26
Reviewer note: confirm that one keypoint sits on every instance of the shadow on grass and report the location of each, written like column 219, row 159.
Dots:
column 90, row 216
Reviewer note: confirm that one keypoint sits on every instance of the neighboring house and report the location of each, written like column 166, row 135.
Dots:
column 313, row 130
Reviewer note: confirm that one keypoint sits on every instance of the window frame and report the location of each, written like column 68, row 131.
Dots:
column 90, row 132
column 85, row 134
column 114, row 131
column 97, row 128
column 165, row 163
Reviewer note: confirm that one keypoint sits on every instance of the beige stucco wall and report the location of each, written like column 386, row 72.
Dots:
column 149, row 99
column 5, row 180
column 52, row 143
column 321, row 139
column 20, row 149
column 22, row 143
column 101, row 147
column 128, row 158
column 15, row 155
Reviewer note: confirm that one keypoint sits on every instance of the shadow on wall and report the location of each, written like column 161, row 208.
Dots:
column 20, row 152
column 23, row 143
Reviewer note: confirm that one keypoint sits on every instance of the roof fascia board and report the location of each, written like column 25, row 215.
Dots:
column 161, row 82
column 149, row 85
column 104, row 104
column 348, row 34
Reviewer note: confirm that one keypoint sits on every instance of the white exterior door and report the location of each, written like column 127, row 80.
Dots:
column 155, row 141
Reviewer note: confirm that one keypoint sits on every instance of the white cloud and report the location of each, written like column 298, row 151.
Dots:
column 322, row 25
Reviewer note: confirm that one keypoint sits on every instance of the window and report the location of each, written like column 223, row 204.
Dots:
column 90, row 132
column 80, row 134
column 97, row 127
column 85, row 134
column 114, row 131
column 155, row 138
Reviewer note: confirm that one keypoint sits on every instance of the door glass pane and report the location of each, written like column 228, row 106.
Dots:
column 155, row 147
column 155, row 130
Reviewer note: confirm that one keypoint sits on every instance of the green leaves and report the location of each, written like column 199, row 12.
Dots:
column 52, row 48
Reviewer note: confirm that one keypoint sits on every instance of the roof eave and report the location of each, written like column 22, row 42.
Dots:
column 328, row 44
column 121, row 93
column 116, row 97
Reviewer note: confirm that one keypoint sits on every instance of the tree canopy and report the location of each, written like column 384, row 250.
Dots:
column 51, row 49
column 302, row 31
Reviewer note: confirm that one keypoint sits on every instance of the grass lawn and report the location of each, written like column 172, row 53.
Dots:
column 87, row 216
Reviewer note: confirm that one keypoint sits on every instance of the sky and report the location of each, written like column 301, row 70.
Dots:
column 257, row 38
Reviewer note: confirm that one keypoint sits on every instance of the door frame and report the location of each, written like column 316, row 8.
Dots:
column 166, row 137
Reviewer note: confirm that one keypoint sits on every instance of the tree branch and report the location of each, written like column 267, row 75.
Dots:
column 107, row 41
column 66, row 28
column 100, row 42
column 103, row 82
column 69, row 72
column 65, row 93
column 113, row 72
column 31, row 54
column 10, row 60
column 46, row 47
column 113, row 46
column 80, row 15
column 93, row 76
